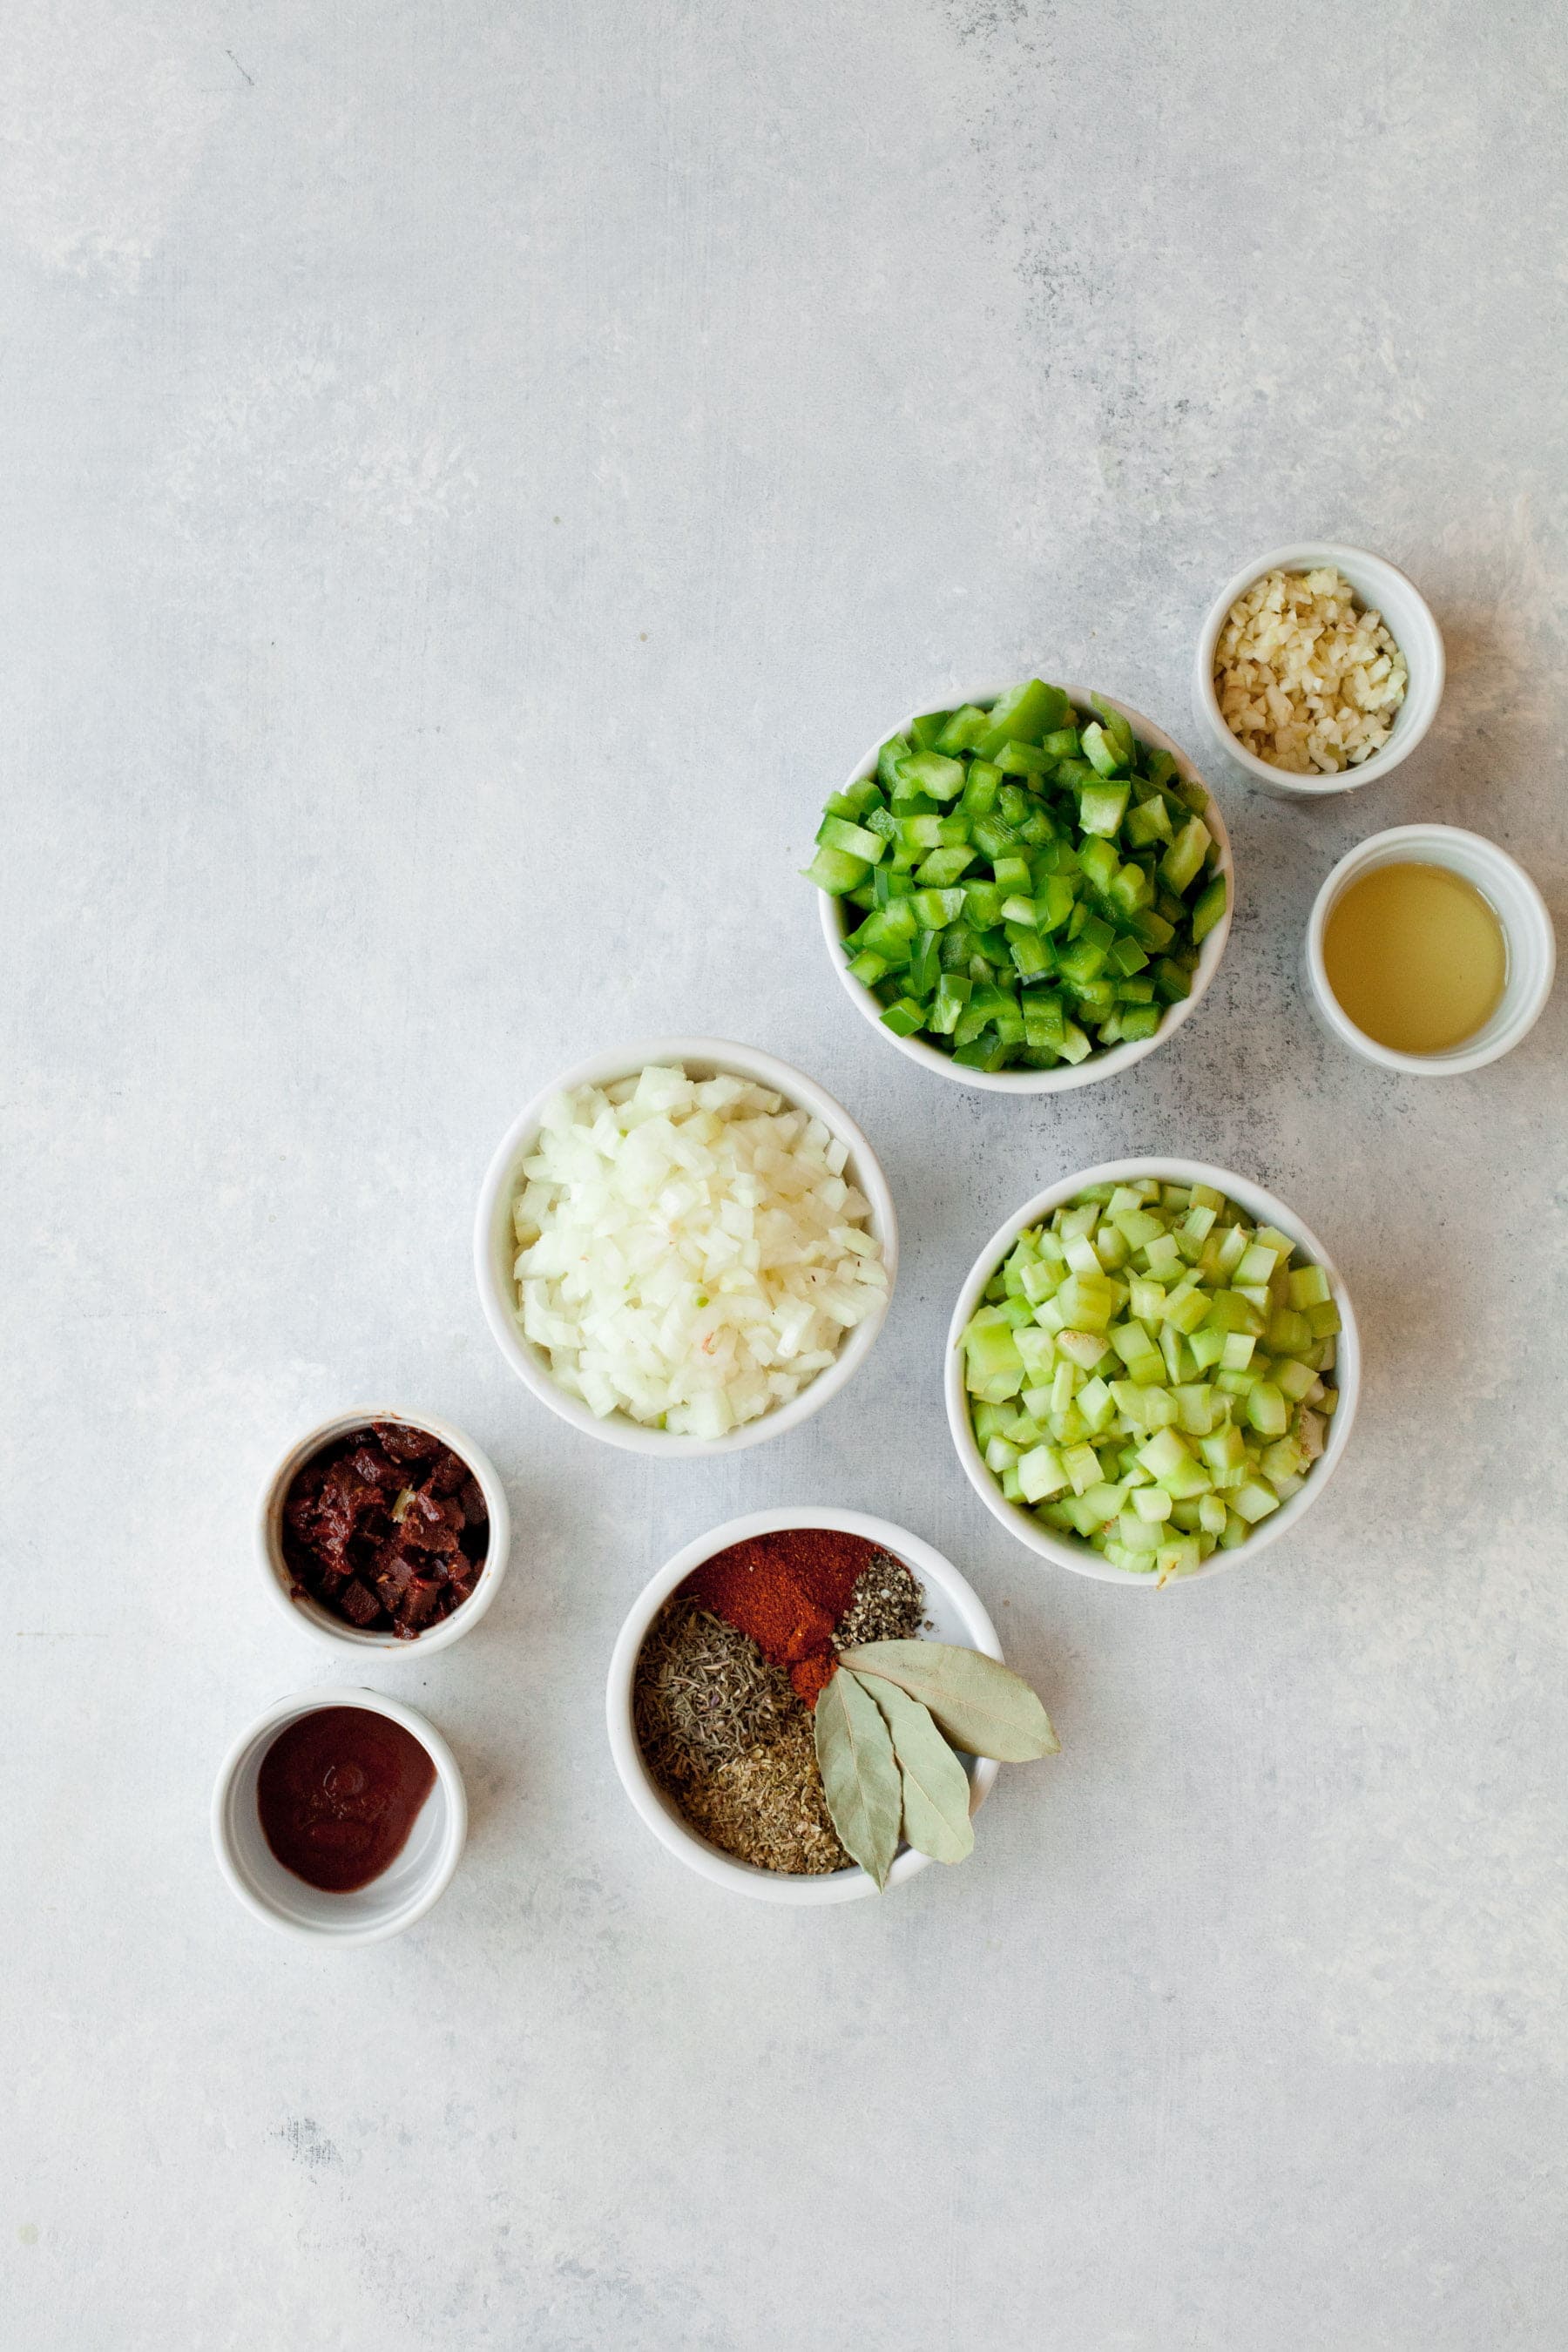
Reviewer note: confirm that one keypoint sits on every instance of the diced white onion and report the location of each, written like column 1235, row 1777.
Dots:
column 690, row 1252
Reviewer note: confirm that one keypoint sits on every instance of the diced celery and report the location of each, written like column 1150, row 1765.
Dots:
column 1041, row 1474
column 1254, row 1501
column 1165, row 1452
column 1182, row 1557
column 1308, row 1287
column 1081, row 1464
column 1137, row 1535
column 1266, row 1411
column 1097, row 1404
column 1195, row 1408
column 1127, row 1423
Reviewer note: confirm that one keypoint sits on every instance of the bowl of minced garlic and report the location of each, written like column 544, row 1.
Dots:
column 1319, row 669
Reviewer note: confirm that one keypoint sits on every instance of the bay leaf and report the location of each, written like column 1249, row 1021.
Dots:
column 859, row 1775
column 980, row 1703
column 936, row 1786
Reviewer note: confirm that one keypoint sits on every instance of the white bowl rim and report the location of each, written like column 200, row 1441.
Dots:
column 276, row 1718
column 307, row 1611
column 1311, row 554
column 1497, row 1037
column 1098, row 1066
column 1258, row 1203
column 802, row 1093
column 768, row 1885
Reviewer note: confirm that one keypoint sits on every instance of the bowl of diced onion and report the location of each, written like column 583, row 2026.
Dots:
column 685, row 1246
column 840, row 916
column 1262, row 1422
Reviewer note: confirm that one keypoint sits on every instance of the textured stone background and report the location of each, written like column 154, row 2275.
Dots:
column 474, row 476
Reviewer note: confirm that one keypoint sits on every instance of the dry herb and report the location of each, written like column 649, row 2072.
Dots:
column 979, row 1702
column 935, row 1785
column 860, row 1774
column 887, row 1605
column 885, row 1728
column 767, row 1807
column 730, row 1743
column 704, row 1692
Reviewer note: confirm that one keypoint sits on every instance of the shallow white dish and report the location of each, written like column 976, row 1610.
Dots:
column 309, row 1612
column 404, row 1893
column 1514, row 898
column 1098, row 1066
column 1382, row 587
column 495, row 1242
column 956, row 1615
column 1066, row 1552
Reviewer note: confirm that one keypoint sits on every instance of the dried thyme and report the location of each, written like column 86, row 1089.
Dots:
column 727, row 1739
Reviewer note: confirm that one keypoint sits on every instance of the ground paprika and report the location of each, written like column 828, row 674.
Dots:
column 787, row 1590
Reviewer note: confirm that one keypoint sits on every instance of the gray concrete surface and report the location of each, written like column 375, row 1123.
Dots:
column 474, row 476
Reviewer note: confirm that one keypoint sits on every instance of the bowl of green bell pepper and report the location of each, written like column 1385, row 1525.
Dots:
column 1026, row 892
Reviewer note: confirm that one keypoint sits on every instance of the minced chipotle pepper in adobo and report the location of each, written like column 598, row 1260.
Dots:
column 387, row 1528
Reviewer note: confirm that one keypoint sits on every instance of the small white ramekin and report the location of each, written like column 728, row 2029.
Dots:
column 417, row 1878
column 307, row 1611
column 495, row 1242
column 1381, row 587
column 1088, row 1073
column 1514, row 898
column 956, row 1617
column 1065, row 1551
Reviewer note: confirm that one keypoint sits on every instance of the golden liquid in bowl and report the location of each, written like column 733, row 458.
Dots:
column 1415, row 957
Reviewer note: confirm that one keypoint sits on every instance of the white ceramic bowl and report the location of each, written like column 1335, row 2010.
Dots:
column 1098, row 1066
column 495, row 1244
column 1514, row 899
column 404, row 1893
column 956, row 1617
column 1064, row 1550
column 309, row 1612
column 1380, row 586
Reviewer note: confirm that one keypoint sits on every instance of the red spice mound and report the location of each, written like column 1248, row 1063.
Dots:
column 787, row 1591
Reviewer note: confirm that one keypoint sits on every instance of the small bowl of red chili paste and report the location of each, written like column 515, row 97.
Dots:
column 340, row 1814
column 385, row 1530
column 718, row 1670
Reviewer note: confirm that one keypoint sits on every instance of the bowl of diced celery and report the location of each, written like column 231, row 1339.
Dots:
column 1151, row 1372
column 1027, row 891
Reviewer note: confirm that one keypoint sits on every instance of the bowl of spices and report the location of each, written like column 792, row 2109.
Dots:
column 1320, row 668
column 339, row 1814
column 1429, row 951
column 720, row 1665
column 383, row 1530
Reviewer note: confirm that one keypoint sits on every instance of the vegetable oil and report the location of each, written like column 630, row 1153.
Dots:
column 1416, row 956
